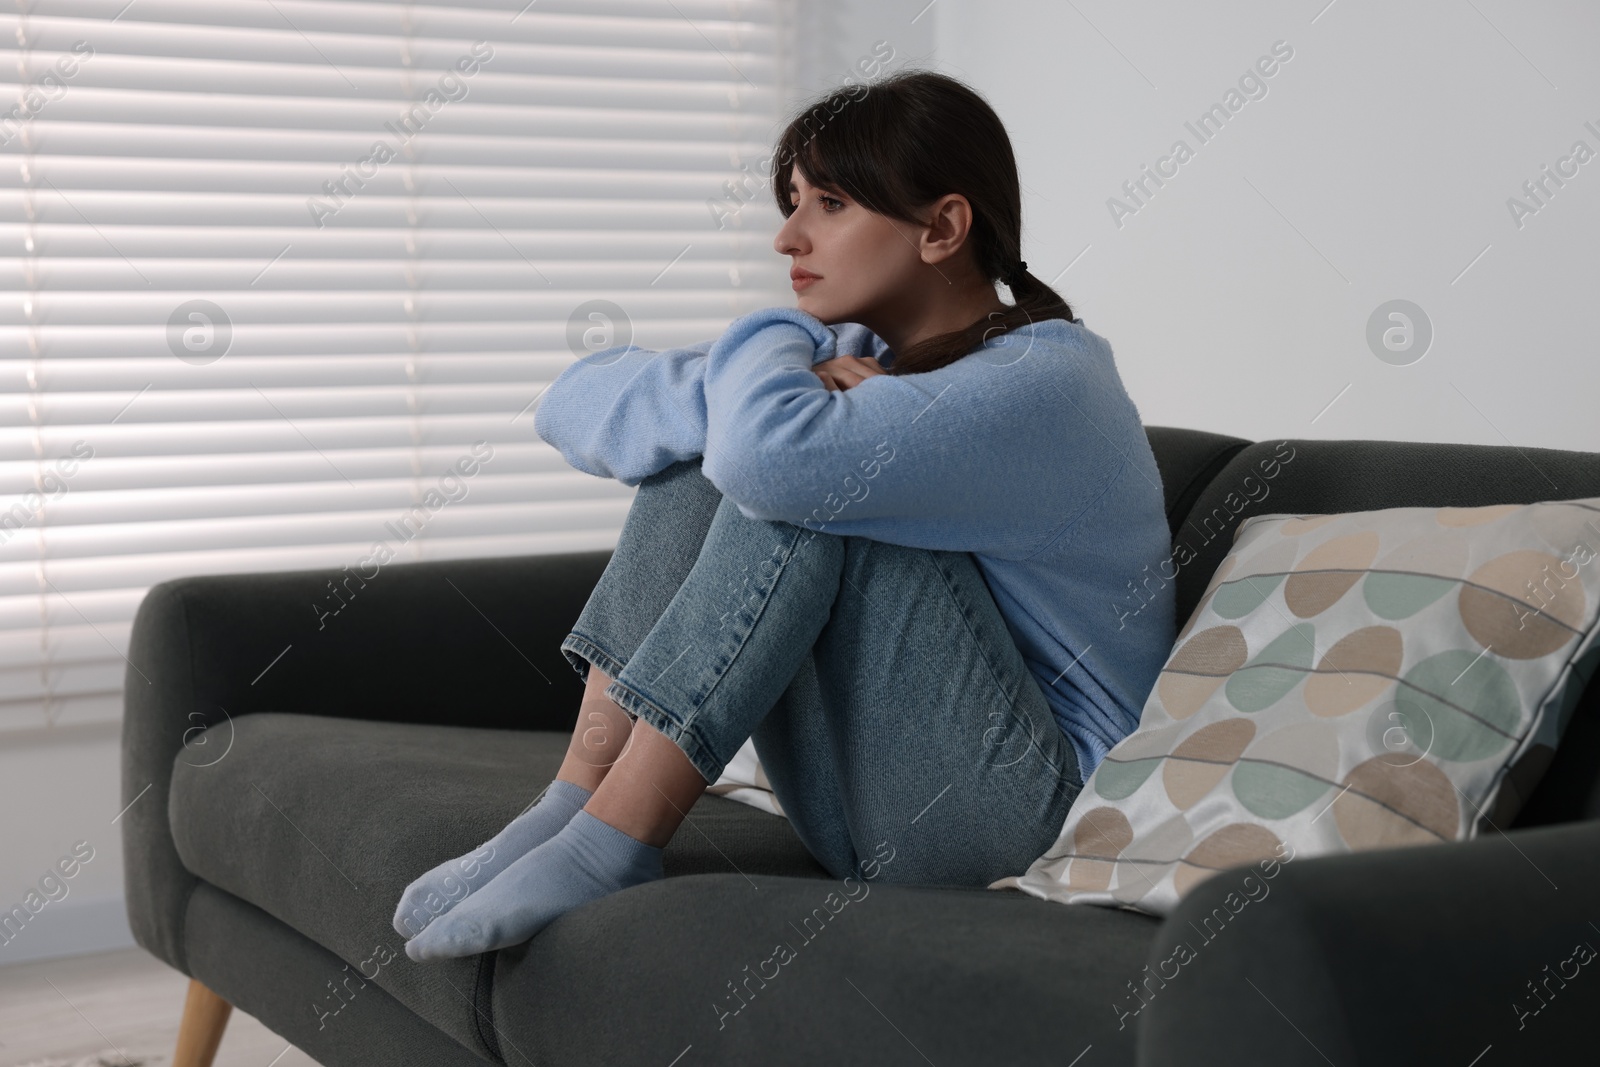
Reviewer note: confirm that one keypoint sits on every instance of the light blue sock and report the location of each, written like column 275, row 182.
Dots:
column 448, row 884
column 587, row 860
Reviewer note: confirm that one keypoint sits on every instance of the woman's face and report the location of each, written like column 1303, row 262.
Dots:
column 861, row 260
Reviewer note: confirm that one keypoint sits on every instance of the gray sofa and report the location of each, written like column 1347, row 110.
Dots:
column 265, row 852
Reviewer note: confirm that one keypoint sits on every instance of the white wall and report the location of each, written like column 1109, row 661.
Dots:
column 1377, row 167
column 57, row 788
column 836, row 35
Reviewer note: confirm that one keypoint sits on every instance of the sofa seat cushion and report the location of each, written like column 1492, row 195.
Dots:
column 878, row 973
column 322, row 822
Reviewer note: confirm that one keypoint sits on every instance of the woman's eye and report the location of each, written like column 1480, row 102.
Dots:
column 825, row 201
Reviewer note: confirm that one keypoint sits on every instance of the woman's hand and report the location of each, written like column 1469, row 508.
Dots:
column 844, row 372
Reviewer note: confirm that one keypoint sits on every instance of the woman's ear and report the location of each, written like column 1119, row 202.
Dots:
column 949, row 222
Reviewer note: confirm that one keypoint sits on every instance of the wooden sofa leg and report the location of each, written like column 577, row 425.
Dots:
column 205, row 1015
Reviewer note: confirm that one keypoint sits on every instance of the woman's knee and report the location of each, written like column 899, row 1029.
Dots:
column 784, row 542
column 864, row 560
column 683, row 472
column 677, row 494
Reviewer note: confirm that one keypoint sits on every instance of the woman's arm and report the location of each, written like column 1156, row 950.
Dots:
column 996, row 452
column 627, row 412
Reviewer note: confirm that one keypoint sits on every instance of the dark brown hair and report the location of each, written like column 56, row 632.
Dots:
column 899, row 144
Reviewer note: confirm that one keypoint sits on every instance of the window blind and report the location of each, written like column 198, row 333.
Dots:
column 278, row 275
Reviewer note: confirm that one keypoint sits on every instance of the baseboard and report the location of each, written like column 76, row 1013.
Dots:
column 76, row 926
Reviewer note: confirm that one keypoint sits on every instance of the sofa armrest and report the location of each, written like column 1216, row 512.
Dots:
column 1422, row 954
column 472, row 642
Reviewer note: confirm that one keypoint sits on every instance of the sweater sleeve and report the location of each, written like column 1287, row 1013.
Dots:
column 973, row 456
column 627, row 412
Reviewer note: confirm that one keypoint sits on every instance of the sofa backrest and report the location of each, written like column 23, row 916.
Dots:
column 1213, row 482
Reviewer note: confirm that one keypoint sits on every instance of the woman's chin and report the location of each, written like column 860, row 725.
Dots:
column 822, row 310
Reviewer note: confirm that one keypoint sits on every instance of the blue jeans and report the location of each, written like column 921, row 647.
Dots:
column 888, row 704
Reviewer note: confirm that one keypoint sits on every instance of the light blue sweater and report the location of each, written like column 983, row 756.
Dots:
column 1027, row 453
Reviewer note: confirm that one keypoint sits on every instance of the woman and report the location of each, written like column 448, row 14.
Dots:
column 908, row 584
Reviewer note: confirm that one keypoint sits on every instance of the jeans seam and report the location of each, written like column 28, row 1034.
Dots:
column 977, row 641
column 783, row 568
column 1011, row 699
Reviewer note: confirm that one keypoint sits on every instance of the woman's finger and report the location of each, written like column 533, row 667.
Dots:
column 844, row 372
column 857, row 371
column 853, row 370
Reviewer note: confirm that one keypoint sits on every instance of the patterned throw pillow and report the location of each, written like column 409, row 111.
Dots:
column 1347, row 682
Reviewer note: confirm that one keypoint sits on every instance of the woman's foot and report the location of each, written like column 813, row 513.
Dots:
column 442, row 888
column 586, row 860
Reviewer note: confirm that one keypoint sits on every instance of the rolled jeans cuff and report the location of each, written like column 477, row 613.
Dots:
column 582, row 651
column 640, row 707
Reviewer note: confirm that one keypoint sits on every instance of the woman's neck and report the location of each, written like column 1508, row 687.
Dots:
column 931, row 313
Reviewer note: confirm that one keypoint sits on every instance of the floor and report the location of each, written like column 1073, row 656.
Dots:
column 116, row 1009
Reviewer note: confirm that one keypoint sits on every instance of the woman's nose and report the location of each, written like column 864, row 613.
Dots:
column 788, row 240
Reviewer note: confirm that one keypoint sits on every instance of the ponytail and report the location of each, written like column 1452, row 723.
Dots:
column 1034, row 302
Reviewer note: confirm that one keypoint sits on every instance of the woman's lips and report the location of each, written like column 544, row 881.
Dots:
column 801, row 279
